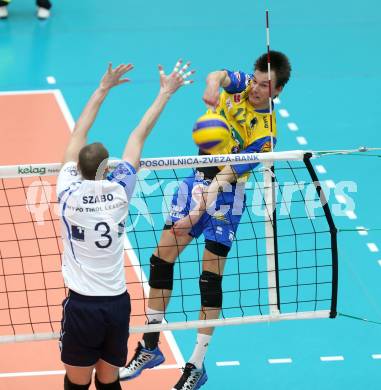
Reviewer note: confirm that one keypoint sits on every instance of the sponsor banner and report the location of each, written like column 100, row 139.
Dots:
column 16, row 171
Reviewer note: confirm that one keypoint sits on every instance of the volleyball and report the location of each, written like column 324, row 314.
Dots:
column 211, row 133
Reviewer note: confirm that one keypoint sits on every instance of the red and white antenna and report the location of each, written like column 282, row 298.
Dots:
column 269, row 78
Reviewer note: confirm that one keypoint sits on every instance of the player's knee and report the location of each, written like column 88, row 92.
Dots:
column 161, row 273
column 217, row 248
column 68, row 385
column 107, row 386
column 211, row 289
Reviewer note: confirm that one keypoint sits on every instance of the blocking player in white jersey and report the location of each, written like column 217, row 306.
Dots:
column 94, row 205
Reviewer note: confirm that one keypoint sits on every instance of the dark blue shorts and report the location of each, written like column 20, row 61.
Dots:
column 218, row 225
column 94, row 328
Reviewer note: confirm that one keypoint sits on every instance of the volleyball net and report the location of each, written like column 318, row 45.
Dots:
column 282, row 265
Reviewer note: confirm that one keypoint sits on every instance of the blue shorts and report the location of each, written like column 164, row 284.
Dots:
column 218, row 225
column 94, row 328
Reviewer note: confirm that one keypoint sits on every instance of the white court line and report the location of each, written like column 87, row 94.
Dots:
column 372, row 247
column 232, row 363
column 31, row 373
column 284, row 113
column 379, row 262
column 62, row 372
column 351, row 214
column 330, row 184
column 51, row 80
column 64, row 108
column 292, row 126
column 361, row 231
column 320, row 168
column 341, row 198
column 301, row 140
column 280, row 361
column 376, row 356
column 331, row 358
column 180, row 362
column 34, row 92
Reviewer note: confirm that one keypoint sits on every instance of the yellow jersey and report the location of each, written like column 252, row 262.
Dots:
column 250, row 128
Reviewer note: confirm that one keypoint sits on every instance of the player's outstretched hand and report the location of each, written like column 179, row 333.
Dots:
column 179, row 77
column 113, row 77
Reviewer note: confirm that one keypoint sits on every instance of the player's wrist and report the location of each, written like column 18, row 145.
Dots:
column 103, row 89
column 165, row 93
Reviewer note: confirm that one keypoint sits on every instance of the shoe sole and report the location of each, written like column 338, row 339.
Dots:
column 201, row 382
column 149, row 365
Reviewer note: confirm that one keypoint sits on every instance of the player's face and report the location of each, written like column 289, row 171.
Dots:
column 259, row 91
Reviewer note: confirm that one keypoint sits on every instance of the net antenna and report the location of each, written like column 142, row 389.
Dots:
column 270, row 201
column 269, row 78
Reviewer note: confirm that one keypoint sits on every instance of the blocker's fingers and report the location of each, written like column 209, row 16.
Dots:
column 177, row 66
column 119, row 69
column 187, row 82
column 186, row 75
column 161, row 70
column 127, row 67
column 109, row 68
column 184, row 68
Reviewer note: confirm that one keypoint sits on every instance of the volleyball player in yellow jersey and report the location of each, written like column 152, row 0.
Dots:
column 244, row 102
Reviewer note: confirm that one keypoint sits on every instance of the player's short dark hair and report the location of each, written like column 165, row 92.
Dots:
column 90, row 158
column 279, row 63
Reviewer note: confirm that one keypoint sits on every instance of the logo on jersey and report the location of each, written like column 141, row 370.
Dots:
column 219, row 230
column 78, row 233
column 229, row 104
column 72, row 170
column 253, row 122
column 265, row 121
column 121, row 228
column 237, row 98
column 266, row 147
column 238, row 75
column 219, row 216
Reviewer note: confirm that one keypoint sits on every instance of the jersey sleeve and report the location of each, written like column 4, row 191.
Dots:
column 261, row 145
column 68, row 175
column 125, row 175
column 239, row 81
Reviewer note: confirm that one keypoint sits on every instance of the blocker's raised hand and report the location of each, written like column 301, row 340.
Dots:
column 113, row 77
column 179, row 77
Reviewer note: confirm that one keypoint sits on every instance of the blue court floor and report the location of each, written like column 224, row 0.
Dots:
column 332, row 99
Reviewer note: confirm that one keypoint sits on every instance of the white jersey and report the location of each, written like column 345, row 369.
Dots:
column 93, row 214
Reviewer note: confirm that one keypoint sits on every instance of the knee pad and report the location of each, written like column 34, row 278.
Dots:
column 161, row 273
column 217, row 248
column 211, row 289
column 72, row 386
column 107, row 386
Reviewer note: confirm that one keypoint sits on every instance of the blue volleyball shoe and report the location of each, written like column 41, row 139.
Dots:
column 143, row 358
column 192, row 378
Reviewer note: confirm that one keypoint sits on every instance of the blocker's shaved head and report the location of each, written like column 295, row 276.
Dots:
column 90, row 158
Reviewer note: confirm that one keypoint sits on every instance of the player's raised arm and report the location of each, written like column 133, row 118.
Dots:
column 214, row 81
column 232, row 82
column 111, row 78
column 168, row 86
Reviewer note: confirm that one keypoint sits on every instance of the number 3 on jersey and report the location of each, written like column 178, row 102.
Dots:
column 104, row 229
